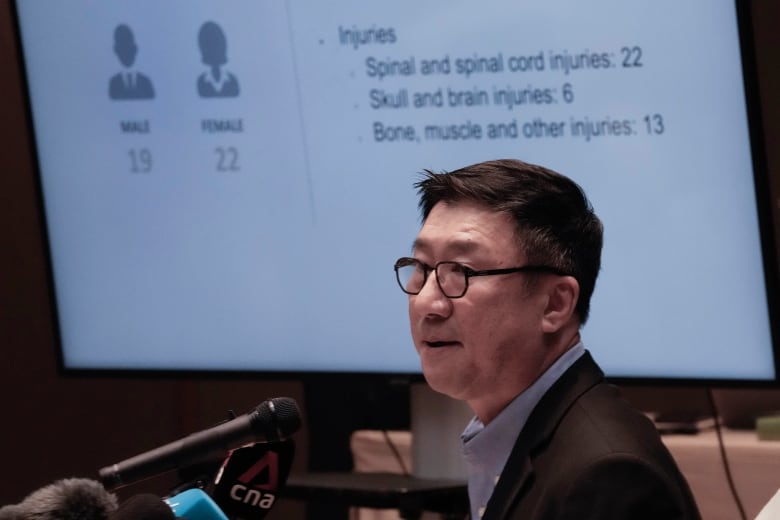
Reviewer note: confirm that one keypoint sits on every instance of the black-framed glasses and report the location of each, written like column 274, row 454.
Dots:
column 452, row 277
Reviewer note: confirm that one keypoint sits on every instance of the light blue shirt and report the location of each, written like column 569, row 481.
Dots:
column 487, row 448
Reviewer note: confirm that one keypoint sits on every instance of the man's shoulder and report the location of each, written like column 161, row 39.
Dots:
column 588, row 453
column 601, row 429
column 582, row 418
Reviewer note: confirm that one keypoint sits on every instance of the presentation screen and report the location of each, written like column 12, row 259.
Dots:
column 226, row 185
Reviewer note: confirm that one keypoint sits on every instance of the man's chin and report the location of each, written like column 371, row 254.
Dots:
column 443, row 381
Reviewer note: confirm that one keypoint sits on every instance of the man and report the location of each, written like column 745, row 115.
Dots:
column 499, row 286
column 128, row 84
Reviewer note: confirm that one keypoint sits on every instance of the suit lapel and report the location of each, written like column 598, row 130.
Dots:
column 518, row 472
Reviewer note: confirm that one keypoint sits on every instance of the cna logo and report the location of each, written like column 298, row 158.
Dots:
column 250, row 492
column 251, row 478
column 269, row 461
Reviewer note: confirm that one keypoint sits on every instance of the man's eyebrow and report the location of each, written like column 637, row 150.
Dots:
column 455, row 246
column 417, row 244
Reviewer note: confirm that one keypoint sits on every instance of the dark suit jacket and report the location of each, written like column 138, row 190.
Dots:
column 142, row 89
column 584, row 454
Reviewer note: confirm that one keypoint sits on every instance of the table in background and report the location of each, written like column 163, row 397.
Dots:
column 755, row 468
column 391, row 494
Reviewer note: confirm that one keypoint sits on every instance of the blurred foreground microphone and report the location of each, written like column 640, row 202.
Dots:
column 193, row 504
column 67, row 499
column 273, row 420
column 145, row 506
column 251, row 477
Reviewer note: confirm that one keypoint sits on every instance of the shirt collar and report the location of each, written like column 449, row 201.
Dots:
column 487, row 448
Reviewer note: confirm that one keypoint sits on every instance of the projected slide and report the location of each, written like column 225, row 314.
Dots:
column 227, row 185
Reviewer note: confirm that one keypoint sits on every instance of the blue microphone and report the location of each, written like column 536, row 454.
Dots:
column 195, row 504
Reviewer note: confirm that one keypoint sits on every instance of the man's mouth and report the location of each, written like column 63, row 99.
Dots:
column 438, row 344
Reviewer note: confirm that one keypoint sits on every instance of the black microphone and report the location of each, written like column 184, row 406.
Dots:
column 251, row 478
column 66, row 499
column 273, row 420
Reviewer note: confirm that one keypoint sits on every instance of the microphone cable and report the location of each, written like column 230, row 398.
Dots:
column 723, row 456
column 396, row 453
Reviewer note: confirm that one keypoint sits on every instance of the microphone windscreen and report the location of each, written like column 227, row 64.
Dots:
column 66, row 499
column 144, row 506
column 277, row 418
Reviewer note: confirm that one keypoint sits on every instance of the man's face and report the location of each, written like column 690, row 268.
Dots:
column 124, row 45
column 485, row 347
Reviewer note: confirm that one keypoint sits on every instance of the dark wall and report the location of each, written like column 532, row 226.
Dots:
column 54, row 426
column 766, row 14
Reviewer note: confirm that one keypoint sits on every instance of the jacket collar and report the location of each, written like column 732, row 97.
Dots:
column 578, row 379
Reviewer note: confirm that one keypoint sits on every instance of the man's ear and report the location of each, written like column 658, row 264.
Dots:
column 563, row 293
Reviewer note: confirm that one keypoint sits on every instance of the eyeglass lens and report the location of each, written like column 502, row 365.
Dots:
column 449, row 275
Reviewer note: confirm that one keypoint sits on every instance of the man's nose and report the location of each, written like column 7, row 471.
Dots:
column 431, row 301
